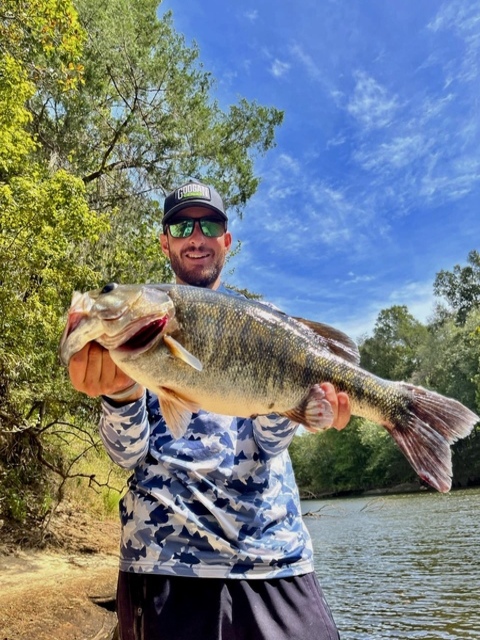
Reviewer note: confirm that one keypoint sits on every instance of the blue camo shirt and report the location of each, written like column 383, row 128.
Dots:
column 220, row 502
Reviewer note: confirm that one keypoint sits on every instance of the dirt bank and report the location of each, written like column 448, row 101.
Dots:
column 65, row 591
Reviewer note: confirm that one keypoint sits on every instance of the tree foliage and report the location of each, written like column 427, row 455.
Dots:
column 103, row 108
column 361, row 457
column 44, row 217
column 45, row 38
column 392, row 350
column 460, row 287
column 15, row 141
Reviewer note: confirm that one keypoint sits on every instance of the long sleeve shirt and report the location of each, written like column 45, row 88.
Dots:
column 219, row 502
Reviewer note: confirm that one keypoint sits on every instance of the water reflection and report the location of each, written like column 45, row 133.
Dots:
column 400, row 566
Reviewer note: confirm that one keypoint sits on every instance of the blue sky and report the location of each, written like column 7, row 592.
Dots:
column 374, row 185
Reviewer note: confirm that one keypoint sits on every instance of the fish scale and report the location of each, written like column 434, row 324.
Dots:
column 233, row 356
column 258, row 352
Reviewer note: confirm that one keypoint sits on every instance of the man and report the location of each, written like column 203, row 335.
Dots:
column 213, row 545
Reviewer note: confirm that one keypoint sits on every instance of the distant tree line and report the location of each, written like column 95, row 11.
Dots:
column 443, row 355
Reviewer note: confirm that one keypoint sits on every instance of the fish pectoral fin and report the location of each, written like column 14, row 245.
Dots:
column 176, row 411
column 314, row 411
column 178, row 351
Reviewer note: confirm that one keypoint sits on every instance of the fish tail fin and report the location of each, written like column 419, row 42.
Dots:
column 433, row 423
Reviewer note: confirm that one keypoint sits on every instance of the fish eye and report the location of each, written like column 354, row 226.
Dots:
column 109, row 287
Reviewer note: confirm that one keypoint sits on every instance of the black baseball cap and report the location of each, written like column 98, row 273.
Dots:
column 193, row 194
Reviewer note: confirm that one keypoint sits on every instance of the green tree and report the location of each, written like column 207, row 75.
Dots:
column 451, row 361
column 330, row 461
column 44, row 217
column 15, row 141
column 45, row 222
column 343, row 459
column 448, row 360
column 460, row 287
column 392, row 350
column 361, row 457
column 45, row 38
column 386, row 465
column 302, row 453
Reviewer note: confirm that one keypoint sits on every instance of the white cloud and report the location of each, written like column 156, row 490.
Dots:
column 338, row 218
column 360, row 321
column 289, row 163
column 422, row 158
column 417, row 296
column 448, row 187
column 306, row 61
column 336, row 141
column 462, row 18
column 281, row 191
column 251, row 15
column 279, row 68
column 356, row 279
column 399, row 152
column 371, row 104
column 325, row 215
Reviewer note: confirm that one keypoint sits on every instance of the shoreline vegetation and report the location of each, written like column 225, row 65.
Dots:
column 403, row 488
column 406, row 487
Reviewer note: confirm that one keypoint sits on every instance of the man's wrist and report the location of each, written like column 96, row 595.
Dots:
column 130, row 394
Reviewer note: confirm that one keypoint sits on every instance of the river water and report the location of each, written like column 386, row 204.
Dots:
column 401, row 567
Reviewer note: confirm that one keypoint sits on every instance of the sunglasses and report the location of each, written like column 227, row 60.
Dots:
column 211, row 228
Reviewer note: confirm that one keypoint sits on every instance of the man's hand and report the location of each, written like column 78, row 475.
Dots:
column 340, row 404
column 93, row 372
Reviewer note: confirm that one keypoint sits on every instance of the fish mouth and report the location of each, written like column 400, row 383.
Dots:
column 74, row 320
column 145, row 338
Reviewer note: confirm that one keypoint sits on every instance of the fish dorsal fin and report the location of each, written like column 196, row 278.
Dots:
column 314, row 411
column 178, row 351
column 176, row 411
column 334, row 340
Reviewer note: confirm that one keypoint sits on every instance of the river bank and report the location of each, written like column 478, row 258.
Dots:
column 66, row 590
column 53, row 596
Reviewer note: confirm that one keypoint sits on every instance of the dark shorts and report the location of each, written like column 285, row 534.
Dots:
column 153, row 607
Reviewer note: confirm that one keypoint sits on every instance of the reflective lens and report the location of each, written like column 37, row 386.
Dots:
column 211, row 228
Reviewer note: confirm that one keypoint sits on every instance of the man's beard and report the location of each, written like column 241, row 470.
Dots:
column 197, row 278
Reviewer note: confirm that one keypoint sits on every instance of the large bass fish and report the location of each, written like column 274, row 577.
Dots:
column 197, row 348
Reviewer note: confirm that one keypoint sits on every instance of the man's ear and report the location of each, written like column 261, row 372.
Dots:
column 164, row 244
column 228, row 240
